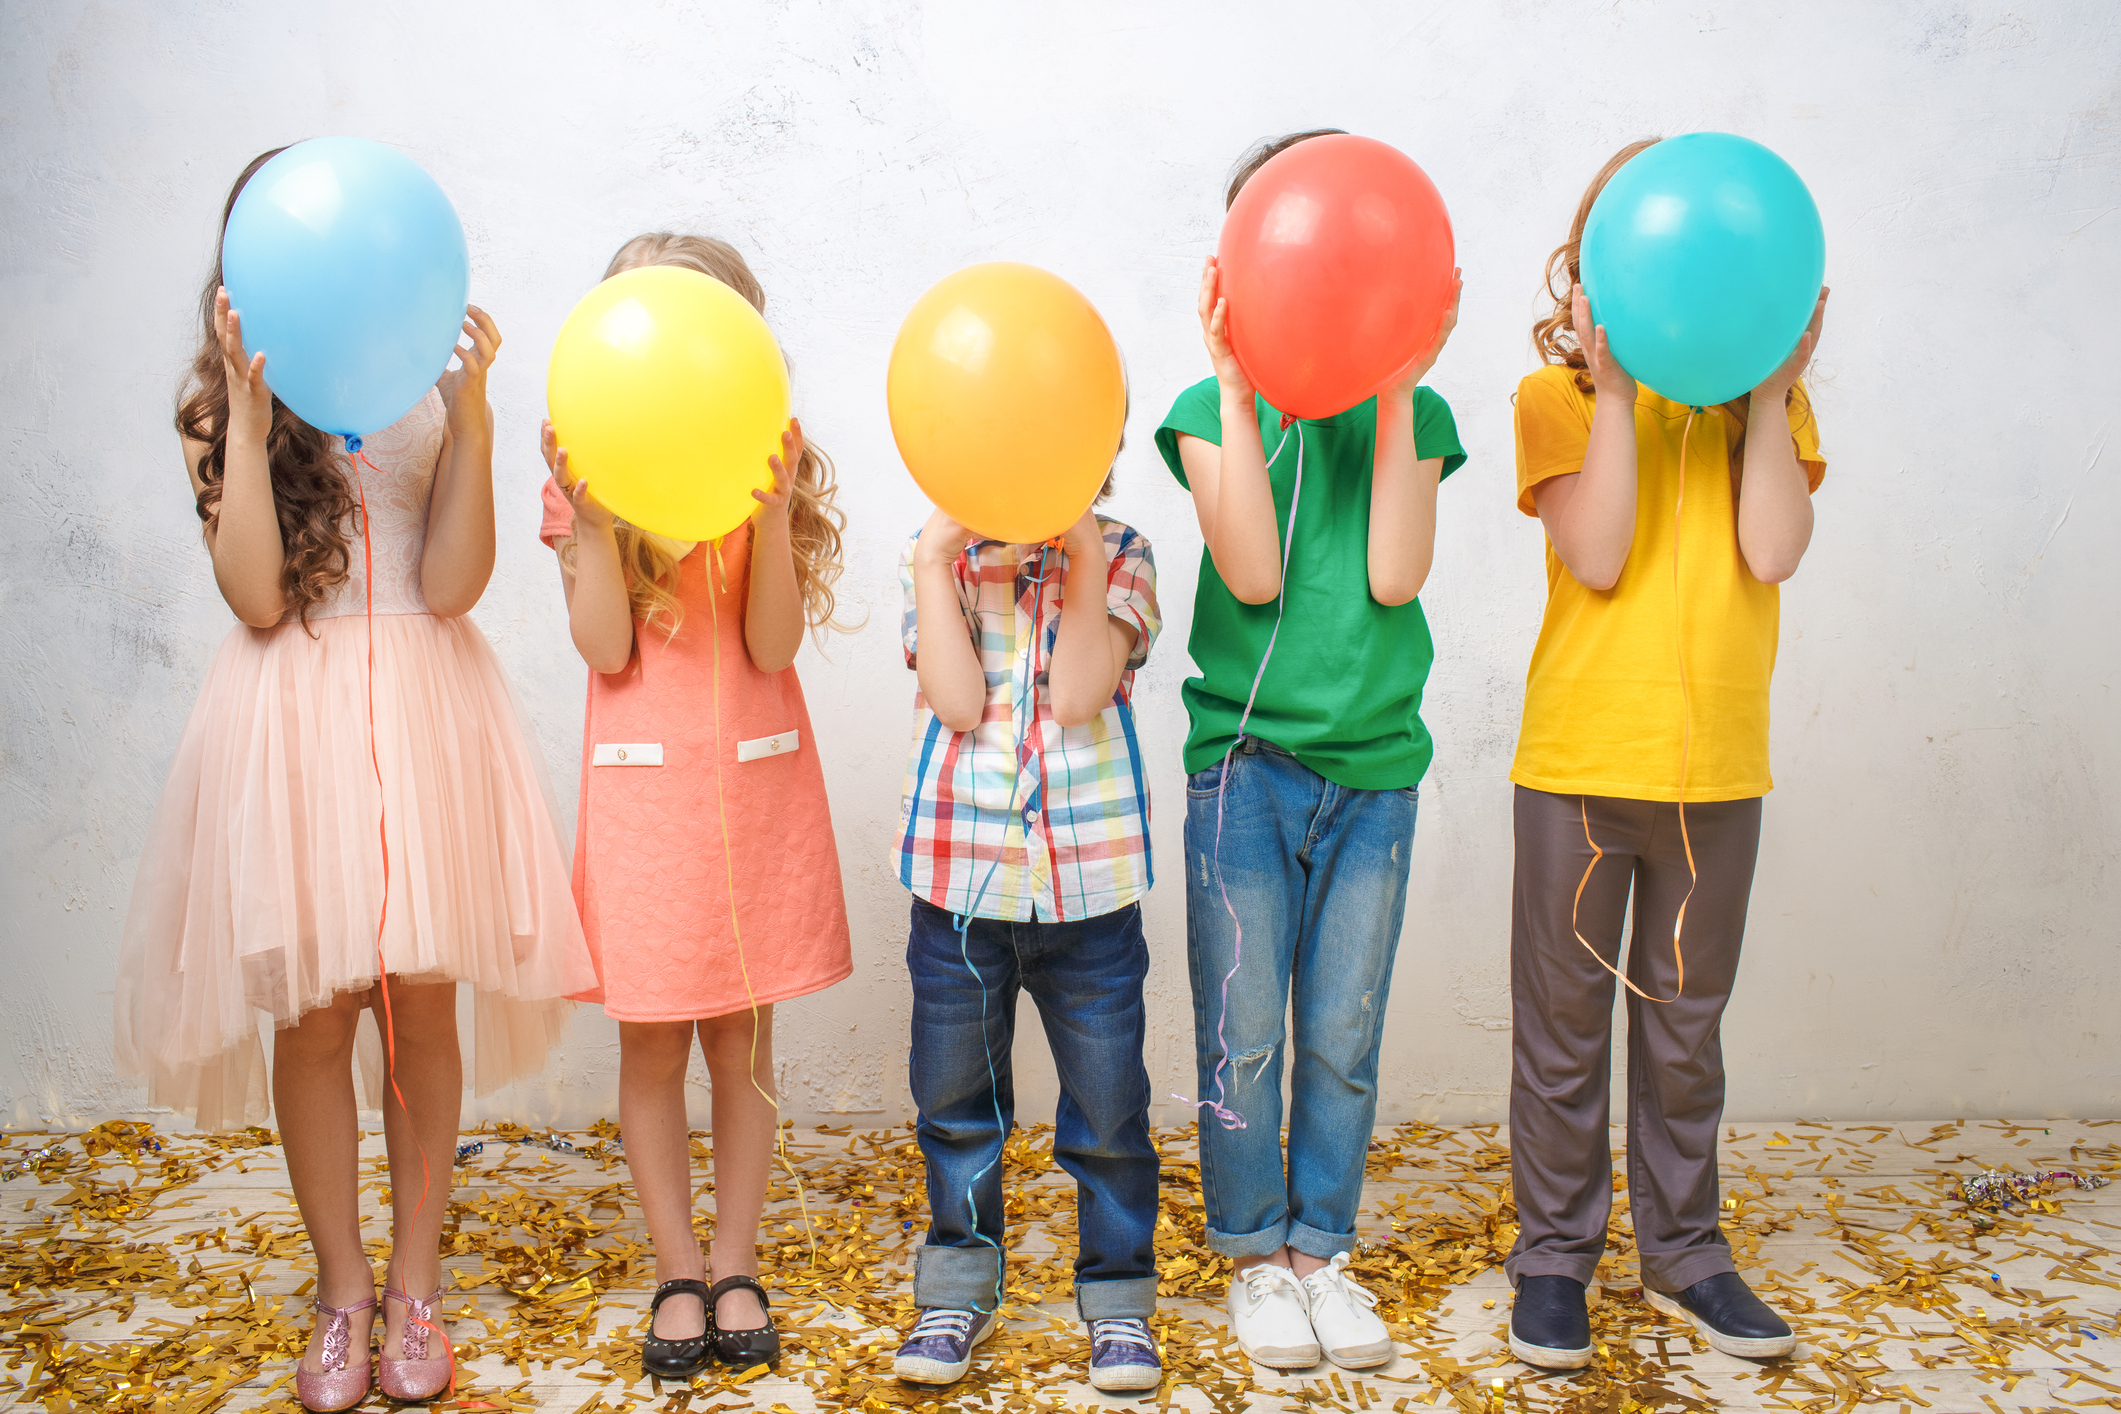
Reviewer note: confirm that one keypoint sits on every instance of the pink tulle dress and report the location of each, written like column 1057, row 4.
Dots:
column 703, row 855
column 262, row 880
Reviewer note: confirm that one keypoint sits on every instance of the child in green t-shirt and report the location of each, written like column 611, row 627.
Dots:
column 1303, row 761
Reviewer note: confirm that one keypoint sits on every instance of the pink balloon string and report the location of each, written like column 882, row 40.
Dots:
column 1229, row 1118
column 375, row 762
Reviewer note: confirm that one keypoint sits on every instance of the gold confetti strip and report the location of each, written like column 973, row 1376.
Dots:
column 142, row 1277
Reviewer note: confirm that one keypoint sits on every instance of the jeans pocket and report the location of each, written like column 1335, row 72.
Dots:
column 1203, row 784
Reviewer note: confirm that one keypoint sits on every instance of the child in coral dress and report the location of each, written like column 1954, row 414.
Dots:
column 353, row 692
column 704, row 862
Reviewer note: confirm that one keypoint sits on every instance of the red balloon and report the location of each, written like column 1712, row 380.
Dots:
column 1336, row 261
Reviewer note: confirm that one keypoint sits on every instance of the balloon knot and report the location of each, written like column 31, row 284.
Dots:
column 1286, row 419
column 353, row 444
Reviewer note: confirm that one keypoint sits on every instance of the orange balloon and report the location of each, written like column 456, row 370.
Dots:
column 1007, row 400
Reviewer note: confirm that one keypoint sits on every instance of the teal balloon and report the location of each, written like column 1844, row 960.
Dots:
column 348, row 266
column 1703, row 258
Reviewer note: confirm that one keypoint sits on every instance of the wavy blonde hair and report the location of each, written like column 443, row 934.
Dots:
column 815, row 523
column 1555, row 336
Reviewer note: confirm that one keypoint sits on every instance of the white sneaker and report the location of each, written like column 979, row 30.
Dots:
column 1342, row 1318
column 1267, row 1316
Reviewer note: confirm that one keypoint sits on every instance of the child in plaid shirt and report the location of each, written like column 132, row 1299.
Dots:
column 1026, row 848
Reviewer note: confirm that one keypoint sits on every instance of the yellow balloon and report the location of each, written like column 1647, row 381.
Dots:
column 669, row 393
column 1007, row 400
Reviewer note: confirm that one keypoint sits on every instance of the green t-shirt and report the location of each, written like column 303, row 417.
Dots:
column 1343, row 694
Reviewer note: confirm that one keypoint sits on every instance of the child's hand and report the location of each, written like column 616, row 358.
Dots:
column 249, row 400
column 1410, row 377
column 942, row 540
column 1214, row 319
column 774, row 503
column 1085, row 537
column 468, row 413
column 1777, row 384
column 1608, row 378
column 589, row 512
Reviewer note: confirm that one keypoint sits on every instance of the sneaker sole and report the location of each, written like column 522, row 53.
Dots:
column 934, row 1372
column 1746, row 1347
column 1125, row 1377
column 1362, row 1357
column 1282, row 1357
column 1547, row 1357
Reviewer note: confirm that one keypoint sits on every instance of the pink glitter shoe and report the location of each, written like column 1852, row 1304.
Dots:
column 416, row 1377
column 341, row 1384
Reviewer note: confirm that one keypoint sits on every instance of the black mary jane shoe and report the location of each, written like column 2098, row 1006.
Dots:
column 678, row 1359
column 741, row 1350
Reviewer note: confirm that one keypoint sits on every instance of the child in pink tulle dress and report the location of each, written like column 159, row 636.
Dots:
column 355, row 737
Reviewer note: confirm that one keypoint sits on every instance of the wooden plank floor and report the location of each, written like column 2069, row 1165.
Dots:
column 166, row 1274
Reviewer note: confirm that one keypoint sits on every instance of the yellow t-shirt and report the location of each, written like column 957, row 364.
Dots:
column 1602, row 706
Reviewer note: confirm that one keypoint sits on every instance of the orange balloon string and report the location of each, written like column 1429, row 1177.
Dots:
column 1686, row 742
column 375, row 762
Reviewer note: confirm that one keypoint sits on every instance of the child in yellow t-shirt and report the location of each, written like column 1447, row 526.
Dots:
column 1641, row 764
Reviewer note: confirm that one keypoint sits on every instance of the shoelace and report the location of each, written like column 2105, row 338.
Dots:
column 1127, row 1330
column 953, row 1324
column 1263, row 1275
column 1335, row 1280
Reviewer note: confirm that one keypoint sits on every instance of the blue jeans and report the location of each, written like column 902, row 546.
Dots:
column 1317, row 875
column 1086, row 977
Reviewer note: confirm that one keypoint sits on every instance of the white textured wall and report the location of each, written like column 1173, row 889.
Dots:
column 1934, row 927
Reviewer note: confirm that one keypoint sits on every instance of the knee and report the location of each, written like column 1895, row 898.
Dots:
column 731, row 1043
column 655, row 1049
column 322, row 1034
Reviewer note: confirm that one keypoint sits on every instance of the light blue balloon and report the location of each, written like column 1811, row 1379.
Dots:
column 1702, row 258
column 348, row 266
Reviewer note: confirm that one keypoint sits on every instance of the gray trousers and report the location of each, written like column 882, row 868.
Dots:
column 1561, row 1007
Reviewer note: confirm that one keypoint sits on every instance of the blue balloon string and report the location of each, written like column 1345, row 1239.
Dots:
column 963, row 923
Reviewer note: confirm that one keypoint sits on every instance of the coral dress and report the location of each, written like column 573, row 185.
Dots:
column 657, row 872
column 262, row 880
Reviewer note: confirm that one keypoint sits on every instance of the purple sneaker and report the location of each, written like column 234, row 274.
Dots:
column 940, row 1349
column 1123, row 1354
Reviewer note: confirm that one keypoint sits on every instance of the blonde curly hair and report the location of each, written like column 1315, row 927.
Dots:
column 815, row 523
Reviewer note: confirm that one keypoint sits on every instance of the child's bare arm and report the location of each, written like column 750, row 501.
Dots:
column 249, row 557
column 1090, row 647
column 1232, row 495
column 599, row 614
column 1402, row 544
column 773, row 613
column 1590, row 515
column 951, row 678
column 1775, row 495
column 457, row 561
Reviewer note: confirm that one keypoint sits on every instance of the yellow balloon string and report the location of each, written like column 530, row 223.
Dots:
column 780, row 1147
column 1686, row 742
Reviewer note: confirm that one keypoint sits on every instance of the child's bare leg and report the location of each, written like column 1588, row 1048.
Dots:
column 744, row 1129
column 429, row 1073
column 313, row 1099
column 653, row 1056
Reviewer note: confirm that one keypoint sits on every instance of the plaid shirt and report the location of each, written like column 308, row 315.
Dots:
column 1021, row 819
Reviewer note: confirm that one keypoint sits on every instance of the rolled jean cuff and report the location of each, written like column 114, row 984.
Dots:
column 1264, row 1243
column 958, row 1278
column 1126, row 1296
column 1323, row 1245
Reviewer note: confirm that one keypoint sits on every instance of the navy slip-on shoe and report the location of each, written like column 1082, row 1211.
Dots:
column 1729, row 1315
column 1550, row 1325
